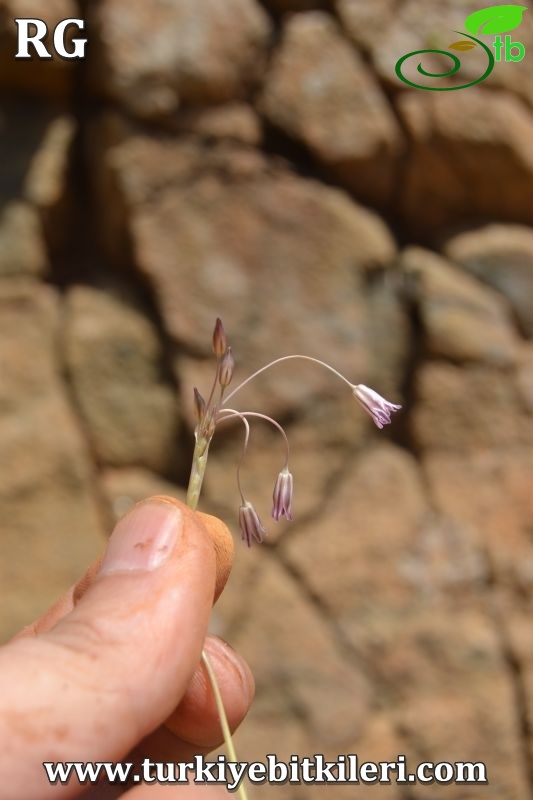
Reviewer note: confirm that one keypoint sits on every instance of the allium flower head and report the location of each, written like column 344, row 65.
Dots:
column 374, row 404
column 216, row 409
column 251, row 526
column 282, row 498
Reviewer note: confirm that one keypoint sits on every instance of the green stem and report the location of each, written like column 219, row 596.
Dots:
column 241, row 791
column 199, row 463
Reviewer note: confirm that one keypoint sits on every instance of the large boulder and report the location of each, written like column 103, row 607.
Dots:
column 463, row 320
column 22, row 246
column 399, row 580
column 269, row 250
column 387, row 31
column 52, row 525
column 471, row 158
column 319, row 92
column 117, row 371
column 501, row 256
column 470, row 408
column 156, row 56
column 36, row 142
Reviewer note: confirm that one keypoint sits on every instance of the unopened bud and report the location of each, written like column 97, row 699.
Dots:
column 226, row 369
column 220, row 343
column 199, row 405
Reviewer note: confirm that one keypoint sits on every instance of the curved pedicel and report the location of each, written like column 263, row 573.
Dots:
column 453, row 71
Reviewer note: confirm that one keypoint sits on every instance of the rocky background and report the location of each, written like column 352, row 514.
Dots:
column 260, row 161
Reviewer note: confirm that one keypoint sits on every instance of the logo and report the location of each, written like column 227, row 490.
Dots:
column 33, row 31
column 485, row 22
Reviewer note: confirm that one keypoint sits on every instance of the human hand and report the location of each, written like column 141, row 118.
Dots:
column 98, row 675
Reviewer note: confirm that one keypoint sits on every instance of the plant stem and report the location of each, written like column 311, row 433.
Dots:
column 199, row 463
column 241, row 791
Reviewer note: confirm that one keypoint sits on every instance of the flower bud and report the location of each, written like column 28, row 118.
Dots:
column 199, row 405
column 283, row 496
column 251, row 526
column 220, row 344
column 226, row 369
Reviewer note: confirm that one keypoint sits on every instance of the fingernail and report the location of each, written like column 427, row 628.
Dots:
column 143, row 539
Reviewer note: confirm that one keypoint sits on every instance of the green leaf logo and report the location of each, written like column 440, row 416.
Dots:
column 495, row 19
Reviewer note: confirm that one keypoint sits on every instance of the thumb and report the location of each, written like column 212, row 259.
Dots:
column 114, row 668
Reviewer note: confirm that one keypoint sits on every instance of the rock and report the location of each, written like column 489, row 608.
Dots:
column 22, row 249
column 469, row 159
column 488, row 494
column 54, row 77
column 52, row 526
column 371, row 516
column 502, row 256
column 525, row 377
column 234, row 121
column 114, row 359
column 388, row 334
column 462, row 319
column 457, row 691
column 467, row 409
column 388, row 32
column 366, row 23
column 296, row 660
column 319, row 92
column 36, row 143
column 202, row 217
column 518, row 624
column 400, row 582
column 157, row 56
column 45, row 184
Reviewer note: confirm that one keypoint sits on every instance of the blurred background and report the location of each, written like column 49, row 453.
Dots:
column 258, row 160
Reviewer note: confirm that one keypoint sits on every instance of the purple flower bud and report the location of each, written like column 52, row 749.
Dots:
column 226, row 368
column 251, row 526
column 199, row 405
column 283, row 495
column 220, row 344
column 374, row 404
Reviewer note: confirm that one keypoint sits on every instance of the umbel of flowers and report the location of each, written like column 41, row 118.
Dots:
column 215, row 409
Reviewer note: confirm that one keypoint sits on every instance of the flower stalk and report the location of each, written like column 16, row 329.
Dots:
column 199, row 463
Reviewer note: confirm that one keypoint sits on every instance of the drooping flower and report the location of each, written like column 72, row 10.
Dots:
column 374, row 404
column 250, row 524
column 282, row 497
